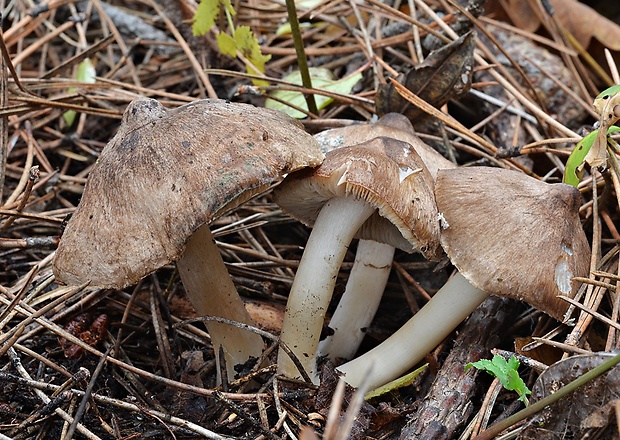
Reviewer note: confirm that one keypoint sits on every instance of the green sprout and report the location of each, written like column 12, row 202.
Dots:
column 241, row 41
column 607, row 106
column 506, row 372
column 574, row 165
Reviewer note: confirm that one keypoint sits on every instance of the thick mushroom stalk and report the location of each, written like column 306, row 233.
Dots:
column 315, row 279
column 414, row 340
column 360, row 300
column 212, row 293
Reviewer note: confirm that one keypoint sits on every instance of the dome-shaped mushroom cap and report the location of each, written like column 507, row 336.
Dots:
column 386, row 173
column 165, row 174
column 512, row 235
column 392, row 125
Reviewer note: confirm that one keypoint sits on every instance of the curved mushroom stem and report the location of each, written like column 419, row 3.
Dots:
column 212, row 293
column 361, row 298
column 312, row 289
column 423, row 332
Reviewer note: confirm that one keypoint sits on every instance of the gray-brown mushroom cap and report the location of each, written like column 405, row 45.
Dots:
column 512, row 235
column 392, row 125
column 165, row 174
column 386, row 173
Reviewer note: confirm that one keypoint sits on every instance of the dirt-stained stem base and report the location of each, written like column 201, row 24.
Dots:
column 334, row 228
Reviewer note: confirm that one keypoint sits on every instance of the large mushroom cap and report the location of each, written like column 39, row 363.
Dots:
column 512, row 235
column 392, row 125
column 384, row 172
column 165, row 174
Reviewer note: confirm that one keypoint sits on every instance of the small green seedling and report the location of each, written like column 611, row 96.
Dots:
column 207, row 12
column 240, row 41
column 574, row 165
column 506, row 372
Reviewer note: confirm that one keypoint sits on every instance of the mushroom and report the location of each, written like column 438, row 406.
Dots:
column 392, row 125
column 373, row 260
column 156, row 187
column 508, row 234
column 379, row 190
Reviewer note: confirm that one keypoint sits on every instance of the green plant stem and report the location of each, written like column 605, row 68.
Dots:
column 562, row 392
column 230, row 22
column 302, row 61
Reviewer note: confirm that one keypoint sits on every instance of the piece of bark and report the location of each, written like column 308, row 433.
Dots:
column 447, row 406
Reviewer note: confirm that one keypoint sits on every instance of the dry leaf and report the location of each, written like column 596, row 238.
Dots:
column 547, row 354
column 579, row 413
column 444, row 75
column 583, row 22
column 266, row 315
column 601, row 417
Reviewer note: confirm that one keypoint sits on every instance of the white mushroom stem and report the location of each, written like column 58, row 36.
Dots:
column 421, row 334
column 212, row 293
column 361, row 298
column 312, row 289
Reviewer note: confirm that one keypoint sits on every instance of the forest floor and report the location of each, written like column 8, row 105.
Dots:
column 520, row 100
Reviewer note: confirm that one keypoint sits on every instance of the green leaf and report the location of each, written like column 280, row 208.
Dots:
column 242, row 39
column 321, row 79
column 574, row 165
column 403, row 381
column 609, row 91
column 506, row 372
column 86, row 73
column 573, row 172
column 245, row 42
column 248, row 45
column 226, row 44
column 206, row 14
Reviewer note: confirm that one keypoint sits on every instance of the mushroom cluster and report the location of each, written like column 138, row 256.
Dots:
column 485, row 216
column 158, row 184
column 167, row 174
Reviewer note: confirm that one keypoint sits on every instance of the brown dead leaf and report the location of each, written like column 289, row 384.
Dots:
column 583, row 22
column 601, row 417
column 544, row 353
column 444, row 75
column 307, row 433
column 266, row 315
